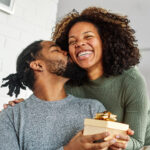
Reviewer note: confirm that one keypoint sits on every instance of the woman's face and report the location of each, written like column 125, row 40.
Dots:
column 85, row 45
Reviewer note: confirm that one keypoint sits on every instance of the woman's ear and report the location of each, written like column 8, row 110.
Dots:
column 36, row 65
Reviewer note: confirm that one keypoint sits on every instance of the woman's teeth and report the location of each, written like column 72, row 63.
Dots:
column 84, row 53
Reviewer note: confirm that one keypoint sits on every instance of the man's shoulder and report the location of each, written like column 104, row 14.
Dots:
column 87, row 101
column 11, row 110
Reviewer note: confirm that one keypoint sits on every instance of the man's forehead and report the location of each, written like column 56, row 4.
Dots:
column 47, row 43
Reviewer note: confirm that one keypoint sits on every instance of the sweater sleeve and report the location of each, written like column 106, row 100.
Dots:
column 61, row 148
column 136, row 110
column 8, row 137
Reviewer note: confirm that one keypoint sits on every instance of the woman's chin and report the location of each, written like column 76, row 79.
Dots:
column 85, row 66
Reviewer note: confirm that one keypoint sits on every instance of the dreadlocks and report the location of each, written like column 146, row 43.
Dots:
column 25, row 75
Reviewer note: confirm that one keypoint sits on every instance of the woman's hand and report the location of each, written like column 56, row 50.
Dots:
column 122, row 141
column 13, row 103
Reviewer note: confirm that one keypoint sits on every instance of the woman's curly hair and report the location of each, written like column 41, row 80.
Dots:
column 120, row 51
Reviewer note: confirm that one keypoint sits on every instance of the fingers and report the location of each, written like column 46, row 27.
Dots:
column 121, row 142
column 12, row 103
column 99, row 146
column 114, row 148
column 130, row 132
column 118, row 146
column 5, row 106
column 123, row 137
column 77, row 135
column 95, row 137
column 18, row 100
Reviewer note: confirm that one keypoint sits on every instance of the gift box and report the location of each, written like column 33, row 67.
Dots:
column 93, row 126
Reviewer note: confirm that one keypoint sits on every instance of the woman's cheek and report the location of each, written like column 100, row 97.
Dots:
column 72, row 52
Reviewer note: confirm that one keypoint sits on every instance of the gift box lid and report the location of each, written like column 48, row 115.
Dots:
column 106, row 124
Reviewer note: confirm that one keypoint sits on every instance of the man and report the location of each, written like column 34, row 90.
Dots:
column 49, row 118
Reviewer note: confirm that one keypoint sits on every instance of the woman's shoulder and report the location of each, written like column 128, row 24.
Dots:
column 133, row 76
column 134, row 84
column 133, row 73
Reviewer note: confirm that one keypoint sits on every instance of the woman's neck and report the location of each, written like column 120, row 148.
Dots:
column 95, row 72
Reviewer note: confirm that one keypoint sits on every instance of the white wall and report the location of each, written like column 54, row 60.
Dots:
column 138, row 12
column 144, row 67
column 32, row 20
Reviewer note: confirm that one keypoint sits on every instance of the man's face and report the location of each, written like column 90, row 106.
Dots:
column 55, row 59
column 57, row 62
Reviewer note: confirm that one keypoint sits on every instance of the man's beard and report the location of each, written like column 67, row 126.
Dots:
column 57, row 67
column 77, row 75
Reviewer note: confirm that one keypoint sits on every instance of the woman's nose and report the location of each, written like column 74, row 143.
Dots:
column 80, row 43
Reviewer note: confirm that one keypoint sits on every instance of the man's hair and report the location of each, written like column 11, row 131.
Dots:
column 25, row 75
column 119, row 48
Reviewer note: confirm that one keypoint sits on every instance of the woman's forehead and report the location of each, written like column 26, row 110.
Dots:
column 83, row 28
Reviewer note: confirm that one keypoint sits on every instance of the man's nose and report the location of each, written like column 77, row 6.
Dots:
column 64, row 52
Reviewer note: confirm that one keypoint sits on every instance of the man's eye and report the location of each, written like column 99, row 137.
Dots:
column 55, row 50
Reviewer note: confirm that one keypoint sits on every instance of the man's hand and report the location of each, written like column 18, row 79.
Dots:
column 124, row 141
column 81, row 142
column 12, row 103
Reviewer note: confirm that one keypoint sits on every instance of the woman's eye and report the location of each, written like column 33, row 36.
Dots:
column 72, row 42
column 88, row 36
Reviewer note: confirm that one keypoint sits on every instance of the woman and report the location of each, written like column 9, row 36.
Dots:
column 104, row 45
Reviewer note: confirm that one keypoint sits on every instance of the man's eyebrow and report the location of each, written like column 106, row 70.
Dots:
column 82, row 33
column 54, row 45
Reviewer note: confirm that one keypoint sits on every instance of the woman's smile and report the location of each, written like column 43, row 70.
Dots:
column 85, row 45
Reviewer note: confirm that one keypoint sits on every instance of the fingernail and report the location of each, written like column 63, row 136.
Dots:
column 106, row 133
column 113, row 141
column 4, row 106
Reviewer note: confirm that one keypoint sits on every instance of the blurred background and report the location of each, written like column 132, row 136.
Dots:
column 24, row 21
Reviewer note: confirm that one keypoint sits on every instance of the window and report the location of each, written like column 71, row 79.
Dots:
column 7, row 6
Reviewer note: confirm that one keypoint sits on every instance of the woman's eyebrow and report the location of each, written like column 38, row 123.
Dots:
column 87, row 32
column 72, row 36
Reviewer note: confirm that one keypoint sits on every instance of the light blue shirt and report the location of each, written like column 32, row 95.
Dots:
column 36, row 124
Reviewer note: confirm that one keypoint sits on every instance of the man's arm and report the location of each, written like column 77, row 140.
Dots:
column 8, row 136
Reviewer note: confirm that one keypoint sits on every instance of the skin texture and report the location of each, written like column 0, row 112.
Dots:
column 84, row 37
column 80, row 142
column 55, row 59
column 46, row 69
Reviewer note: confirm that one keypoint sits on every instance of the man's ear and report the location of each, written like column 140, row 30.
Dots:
column 36, row 65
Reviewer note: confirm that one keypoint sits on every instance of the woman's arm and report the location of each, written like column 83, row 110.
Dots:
column 136, row 107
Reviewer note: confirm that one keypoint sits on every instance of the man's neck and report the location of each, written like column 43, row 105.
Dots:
column 50, row 88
